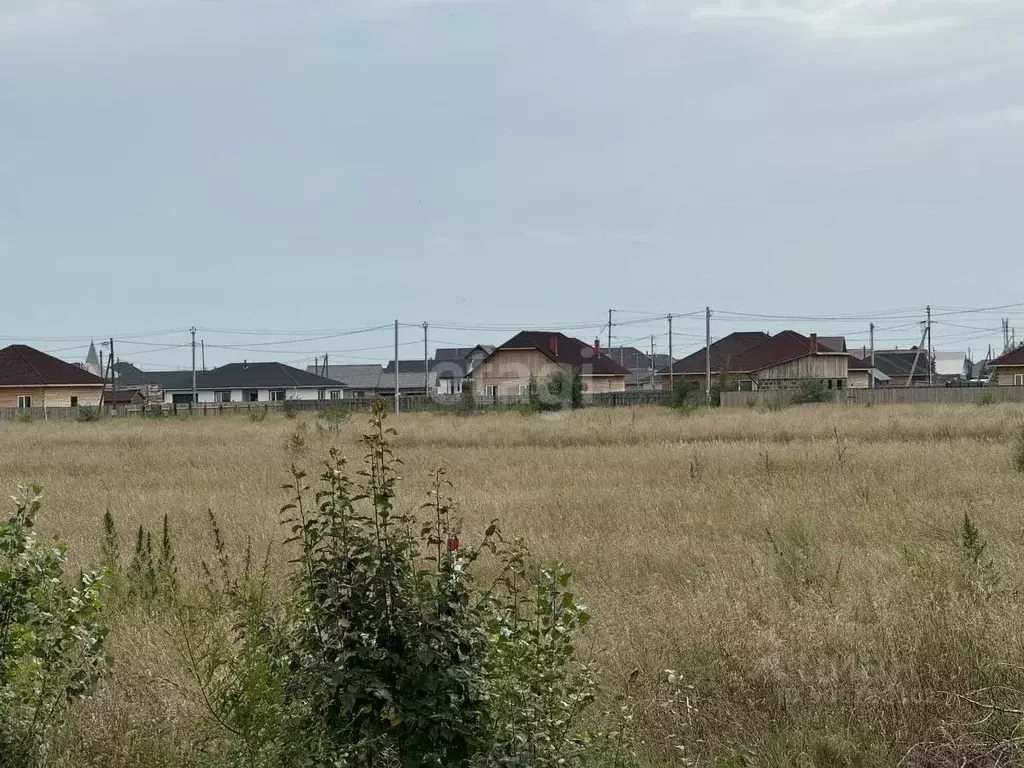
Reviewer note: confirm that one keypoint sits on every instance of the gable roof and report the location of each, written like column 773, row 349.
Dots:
column 723, row 352
column 564, row 350
column 898, row 362
column 258, row 376
column 1013, row 357
column 24, row 366
column 408, row 366
column 783, row 347
column 132, row 376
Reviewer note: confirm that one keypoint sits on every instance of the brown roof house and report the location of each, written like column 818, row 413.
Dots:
column 508, row 369
column 723, row 352
column 787, row 359
column 33, row 379
column 1009, row 369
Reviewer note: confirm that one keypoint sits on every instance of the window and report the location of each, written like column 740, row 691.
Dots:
column 491, row 390
column 24, row 401
column 321, row 394
column 1018, row 379
column 524, row 389
column 74, row 401
column 335, row 394
column 277, row 395
column 359, row 393
column 839, row 384
column 250, row 396
column 223, row 396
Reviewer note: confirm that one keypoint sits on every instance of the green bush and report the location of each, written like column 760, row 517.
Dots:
column 88, row 413
column 385, row 651
column 290, row 408
column 685, row 393
column 51, row 637
column 812, row 391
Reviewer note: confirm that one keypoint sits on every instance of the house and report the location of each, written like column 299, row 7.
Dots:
column 787, row 359
column 127, row 397
column 371, row 380
column 694, row 367
column 903, row 365
column 1009, row 368
column 33, row 379
column 641, row 366
column 860, row 373
column 249, row 383
column 507, row 371
column 452, row 365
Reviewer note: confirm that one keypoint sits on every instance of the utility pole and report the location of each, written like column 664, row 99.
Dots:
column 326, row 368
column 871, row 376
column 426, row 357
column 397, row 407
column 917, row 355
column 652, row 362
column 707, row 356
column 193, row 332
column 671, row 360
column 202, row 346
column 609, row 332
column 931, row 351
column 113, row 377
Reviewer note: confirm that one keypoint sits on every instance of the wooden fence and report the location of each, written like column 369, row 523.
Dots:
column 887, row 396
column 407, row 403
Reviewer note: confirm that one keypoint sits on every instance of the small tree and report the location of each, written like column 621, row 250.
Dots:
column 684, row 393
column 467, row 400
column 51, row 638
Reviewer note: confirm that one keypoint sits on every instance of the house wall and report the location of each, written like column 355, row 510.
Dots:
column 604, row 383
column 508, row 369
column 291, row 393
column 51, row 397
column 810, row 367
column 1005, row 375
column 858, row 379
column 449, row 386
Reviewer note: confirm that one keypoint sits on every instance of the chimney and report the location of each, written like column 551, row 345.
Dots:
column 597, row 347
column 814, row 343
column 553, row 344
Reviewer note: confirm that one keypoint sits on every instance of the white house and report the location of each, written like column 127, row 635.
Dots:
column 252, row 383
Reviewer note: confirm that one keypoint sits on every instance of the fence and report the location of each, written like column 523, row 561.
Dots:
column 888, row 396
column 407, row 403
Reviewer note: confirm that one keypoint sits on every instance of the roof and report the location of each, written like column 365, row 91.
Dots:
column 372, row 377
column 162, row 379
column 122, row 396
column 455, row 362
column 408, row 366
column 23, row 366
column 564, row 350
column 634, row 359
column 361, row 376
column 723, row 352
column 783, row 347
column 91, row 358
column 838, row 343
column 256, row 376
column 898, row 362
column 1013, row 357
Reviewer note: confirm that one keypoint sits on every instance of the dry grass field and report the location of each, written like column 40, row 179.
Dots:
column 801, row 569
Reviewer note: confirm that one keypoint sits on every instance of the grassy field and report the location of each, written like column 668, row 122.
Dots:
column 801, row 569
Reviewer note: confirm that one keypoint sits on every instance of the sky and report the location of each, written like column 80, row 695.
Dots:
column 279, row 173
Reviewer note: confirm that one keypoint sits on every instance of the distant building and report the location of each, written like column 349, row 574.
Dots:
column 239, row 383
column 1009, row 368
column 538, row 354
column 92, row 361
column 643, row 369
column 33, row 379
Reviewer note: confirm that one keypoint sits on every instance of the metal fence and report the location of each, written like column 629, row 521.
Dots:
column 407, row 403
column 887, row 396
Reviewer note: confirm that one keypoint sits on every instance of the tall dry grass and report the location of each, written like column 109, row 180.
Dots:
column 799, row 568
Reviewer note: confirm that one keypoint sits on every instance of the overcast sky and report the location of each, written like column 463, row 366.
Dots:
column 298, row 165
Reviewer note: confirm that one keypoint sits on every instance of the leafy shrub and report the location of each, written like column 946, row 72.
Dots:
column 467, row 400
column 684, row 393
column 812, row 391
column 258, row 414
column 564, row 390
column 88, row 413
column 331, row 419
column 290, row 408
column 51, row 637
column 385, row 651
column 987, row 398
